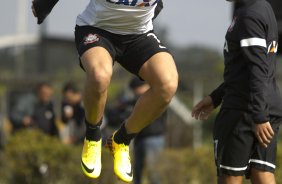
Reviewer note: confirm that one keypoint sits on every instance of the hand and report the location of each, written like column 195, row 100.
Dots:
column 203, row 109
column 264, row 133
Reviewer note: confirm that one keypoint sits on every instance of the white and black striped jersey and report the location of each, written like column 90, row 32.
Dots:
column 249, row 53
column 119, row 16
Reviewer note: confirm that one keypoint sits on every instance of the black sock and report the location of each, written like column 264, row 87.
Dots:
column 93, row 132
column 122, row 136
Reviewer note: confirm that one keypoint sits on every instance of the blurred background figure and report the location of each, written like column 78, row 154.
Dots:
column 43, row 116
column 149, row 143
column 22, row 111
column 36, row 110
column 72, row 114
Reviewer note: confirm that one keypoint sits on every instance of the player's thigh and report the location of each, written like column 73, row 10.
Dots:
column 262, row 177
column 97, row 60
column 230, row 179
column 159, row 69
column 95, row 50
column 148, row 58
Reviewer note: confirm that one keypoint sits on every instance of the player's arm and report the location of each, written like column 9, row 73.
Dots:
column 217, row 95
column 254, row 48
column 42, row 8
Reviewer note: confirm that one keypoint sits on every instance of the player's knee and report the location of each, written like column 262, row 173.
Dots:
column 168, row 90
column 99, row 79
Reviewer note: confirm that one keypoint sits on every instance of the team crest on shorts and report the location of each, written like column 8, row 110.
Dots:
column 91, row 38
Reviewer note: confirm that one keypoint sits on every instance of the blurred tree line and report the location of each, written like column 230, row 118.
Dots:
column 44, row 160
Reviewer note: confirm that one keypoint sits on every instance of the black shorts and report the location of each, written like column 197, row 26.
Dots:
column 131, row 51
column 236, row 147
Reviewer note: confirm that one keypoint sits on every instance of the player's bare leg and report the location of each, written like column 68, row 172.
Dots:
column 97, row 64
column 161, row 74
column 230, row 179
column 262, row 177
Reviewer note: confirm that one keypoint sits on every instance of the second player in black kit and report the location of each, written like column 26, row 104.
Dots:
column 246, row 128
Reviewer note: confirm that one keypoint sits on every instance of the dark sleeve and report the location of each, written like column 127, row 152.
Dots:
column 217, row 95
column 254, row 49
column 158, row 9
column 43, row 8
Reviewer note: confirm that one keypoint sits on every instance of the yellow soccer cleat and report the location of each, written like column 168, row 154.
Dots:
column 122, row 164
column 91, row 158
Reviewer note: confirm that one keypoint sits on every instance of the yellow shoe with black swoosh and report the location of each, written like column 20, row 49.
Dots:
column 91, row 158
column 122, row 164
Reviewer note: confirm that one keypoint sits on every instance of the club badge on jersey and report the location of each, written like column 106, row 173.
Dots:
column 138, row 3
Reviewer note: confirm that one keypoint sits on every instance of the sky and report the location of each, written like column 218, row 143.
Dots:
column 188, row 22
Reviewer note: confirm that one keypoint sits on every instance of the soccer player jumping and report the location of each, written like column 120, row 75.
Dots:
column 122, row 31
